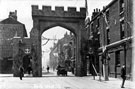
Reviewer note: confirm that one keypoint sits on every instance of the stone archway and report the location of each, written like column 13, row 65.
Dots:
column 71, row 20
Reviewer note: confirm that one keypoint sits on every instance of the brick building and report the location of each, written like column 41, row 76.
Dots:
column 9, row 28
column 110, row 29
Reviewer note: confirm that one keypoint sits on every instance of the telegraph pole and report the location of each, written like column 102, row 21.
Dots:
column 105, row 61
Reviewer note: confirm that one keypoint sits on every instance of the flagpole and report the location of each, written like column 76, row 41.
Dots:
column 86, row 6
column 105, row 65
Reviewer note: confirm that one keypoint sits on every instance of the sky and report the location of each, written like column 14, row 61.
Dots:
column 23, row 8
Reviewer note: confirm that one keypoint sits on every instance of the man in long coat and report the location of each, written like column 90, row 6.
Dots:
column 123, row 75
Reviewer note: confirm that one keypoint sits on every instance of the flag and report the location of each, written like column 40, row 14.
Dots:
column 104, row 15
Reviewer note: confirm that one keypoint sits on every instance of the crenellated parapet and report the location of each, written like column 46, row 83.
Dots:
column 59, row 11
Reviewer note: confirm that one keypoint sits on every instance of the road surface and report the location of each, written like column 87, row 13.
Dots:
column 51, row 81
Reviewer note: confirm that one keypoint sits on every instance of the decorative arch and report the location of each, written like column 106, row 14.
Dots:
column 72, row 20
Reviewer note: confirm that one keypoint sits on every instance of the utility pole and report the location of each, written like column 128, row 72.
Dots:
column 104, row 54
column 105, row 66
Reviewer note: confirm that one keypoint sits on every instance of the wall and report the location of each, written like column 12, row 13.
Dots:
column 114, row 34
column 7, row 32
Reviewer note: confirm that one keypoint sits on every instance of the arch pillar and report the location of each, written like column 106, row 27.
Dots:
column 78, row 63
column 36, row 55
column 36, row 50
column 81, row 63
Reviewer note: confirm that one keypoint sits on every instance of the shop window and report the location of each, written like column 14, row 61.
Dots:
column 117, row 58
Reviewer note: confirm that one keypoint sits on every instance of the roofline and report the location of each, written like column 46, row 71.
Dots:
column 12, row 19
column 112, row 2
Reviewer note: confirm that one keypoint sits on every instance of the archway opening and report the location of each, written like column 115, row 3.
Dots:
column 58, row 52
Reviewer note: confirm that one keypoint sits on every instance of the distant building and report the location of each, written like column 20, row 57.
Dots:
column 110, row 30
column 9, row 28
column 53, row 57
column 59, row 53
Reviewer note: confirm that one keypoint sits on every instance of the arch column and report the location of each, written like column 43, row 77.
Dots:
column 78, row 63
column 81, row 64
column 36, row 50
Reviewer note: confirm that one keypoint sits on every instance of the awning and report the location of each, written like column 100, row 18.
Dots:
column 117, row 43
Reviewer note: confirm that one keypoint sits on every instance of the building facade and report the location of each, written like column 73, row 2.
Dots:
column 53, row 62
column 62, row 51
column 9, row 28
column 111, row 30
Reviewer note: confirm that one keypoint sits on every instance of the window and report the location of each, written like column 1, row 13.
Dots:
column 117, row 61
column 108, row 38
column 92, row 27
column 122, row 5
column 98, row 23
column 122, row 32
column 107, row 15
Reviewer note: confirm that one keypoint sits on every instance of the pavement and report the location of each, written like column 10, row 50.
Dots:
column 52, row 81
column 117, row 82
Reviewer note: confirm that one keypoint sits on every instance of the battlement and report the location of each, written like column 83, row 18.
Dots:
column 59, row 11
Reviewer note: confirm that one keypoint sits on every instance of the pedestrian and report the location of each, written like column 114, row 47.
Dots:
column 123, row 75
column 21, row 70
column 47, row 69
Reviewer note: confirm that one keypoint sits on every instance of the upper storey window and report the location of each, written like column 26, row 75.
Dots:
column 122, row 5
column 107, row 15
column 122, row 30
column 98, row 22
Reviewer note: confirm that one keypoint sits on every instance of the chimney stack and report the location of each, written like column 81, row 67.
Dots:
column 13, row 15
